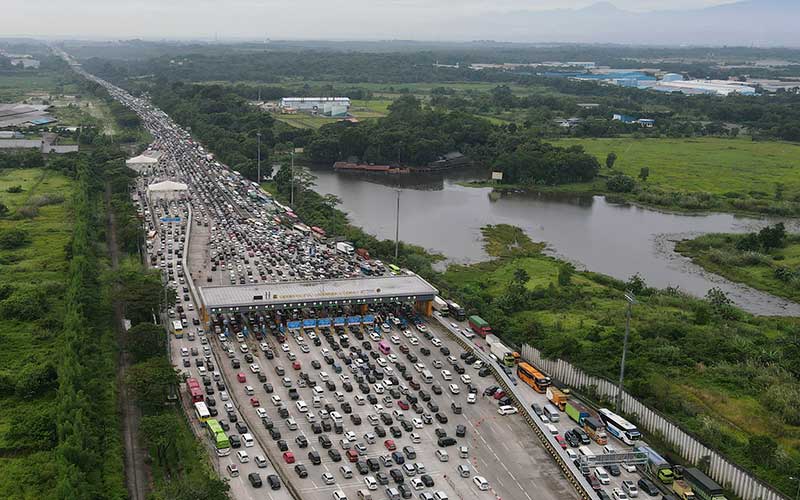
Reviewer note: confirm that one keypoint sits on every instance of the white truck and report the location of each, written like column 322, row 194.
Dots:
column 504, row 355
column 439, row 304
column 345, row 248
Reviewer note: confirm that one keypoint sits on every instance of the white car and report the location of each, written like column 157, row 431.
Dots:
column 437, row 363
column 381, row 362
column 243, row 456
column 471, row 398
column 328, row 478
column 436, row 342
column 302, row 407
column 481, row 483
column 243, row 348
column 413, row 341
column 417, row 423
column 454, row 388
column 447, row 375
column 223, row 395
column 394, row 339
column 371, row 483
column 415, row 438
column 261, row 412
column 285, row 347
column 255, row 368
column 466, row 379
column 507, row 410
column 276, row 400
column 184, row 352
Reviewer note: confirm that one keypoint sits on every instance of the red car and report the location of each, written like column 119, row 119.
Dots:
column 403, row 405
column 389, row 444
column 594, row 482
column 499, row 394
column 241, row 378
column 296, row 365
column 254, row 402
column 288, row 457
column 561, row 441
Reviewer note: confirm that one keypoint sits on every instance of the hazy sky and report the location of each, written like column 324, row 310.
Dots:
column 352, row 19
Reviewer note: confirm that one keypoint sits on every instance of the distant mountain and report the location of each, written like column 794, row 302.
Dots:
column 744, row 23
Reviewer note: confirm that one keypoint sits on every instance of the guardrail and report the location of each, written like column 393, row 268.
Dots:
column 577, row 480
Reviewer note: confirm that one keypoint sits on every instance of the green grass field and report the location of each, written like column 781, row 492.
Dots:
column 712, row 165
column 717, row 253
column 25, row 344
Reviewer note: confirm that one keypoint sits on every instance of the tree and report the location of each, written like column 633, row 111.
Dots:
column 644, row 173
column 521, row 276
column 772, row 236
column 611, row 158
column 151, row 381
column 3, row 209
column 141, row 292
column 565, row 272
column 146, row 340
column 636, row 284
column 161, row 432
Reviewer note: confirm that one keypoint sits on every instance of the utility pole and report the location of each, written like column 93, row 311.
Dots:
column 259, row 157
column 797, row 480
column 631, row 300
column 397, row 229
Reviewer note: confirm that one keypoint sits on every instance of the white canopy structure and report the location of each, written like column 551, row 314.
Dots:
column 141, row 160
column 167, row 187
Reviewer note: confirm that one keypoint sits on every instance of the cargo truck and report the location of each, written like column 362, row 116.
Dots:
column 439, row 304
column 345, row 248
column 682, row 489
column 577, row 412
column 557, row 397
column 656, row 465
column 596, row 430
column 363, row 253
column 703, row 486
column 504, row 355
column 456, row 311
column 480, row 326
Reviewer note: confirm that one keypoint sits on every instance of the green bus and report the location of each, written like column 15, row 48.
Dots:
column 394, row 269
column 218, row 437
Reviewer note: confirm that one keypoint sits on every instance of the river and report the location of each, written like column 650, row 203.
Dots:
column 618, row 240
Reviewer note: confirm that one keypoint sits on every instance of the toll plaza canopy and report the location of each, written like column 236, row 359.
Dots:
column 353, row 291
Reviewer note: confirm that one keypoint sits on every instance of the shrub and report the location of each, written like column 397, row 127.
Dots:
column 14, row 189
column 25, row 304
column 46, row 199
column 13, row 238
column 621, row 183
column 28, row 212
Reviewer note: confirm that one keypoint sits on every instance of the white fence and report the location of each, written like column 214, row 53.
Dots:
column 728, row 474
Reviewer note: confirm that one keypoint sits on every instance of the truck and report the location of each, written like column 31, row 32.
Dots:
column 345, row 248
column 656, row 465
column 439, row 304
column 557, row 397
column 480, row 326
column 363, row 253
column 703, row 486
column 596, row 430
column 682, row 489
column 577, row 412
column 504, row 355
column 456, row 311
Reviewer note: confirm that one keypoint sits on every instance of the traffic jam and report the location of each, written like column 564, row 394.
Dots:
column 385, row 404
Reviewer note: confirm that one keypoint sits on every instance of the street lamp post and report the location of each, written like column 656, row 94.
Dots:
column 797, row 480
column 397, row 229
column 259, row 158
column 291, row 196
column 631, row 300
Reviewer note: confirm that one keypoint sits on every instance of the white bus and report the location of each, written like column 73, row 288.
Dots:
column 177, row 327
column 201, row 412
column 619, row 427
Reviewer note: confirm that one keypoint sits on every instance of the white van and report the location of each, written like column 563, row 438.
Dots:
column 442, row 455
column 364, row 495
column 248, row 440
column 339, row 495
column 427, row 376
column 551, row 412
column 585, row 451
column 602, row 476
column 552, row 429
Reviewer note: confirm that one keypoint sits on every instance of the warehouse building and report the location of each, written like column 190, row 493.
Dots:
column 329, row 106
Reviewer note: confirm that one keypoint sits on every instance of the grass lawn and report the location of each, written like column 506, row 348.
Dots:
column 717, row 253
column 42, row 262
column 713, row 165
column 14, row 87
column 305, row 121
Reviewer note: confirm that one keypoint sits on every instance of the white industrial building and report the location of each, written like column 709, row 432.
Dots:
column 330, row 106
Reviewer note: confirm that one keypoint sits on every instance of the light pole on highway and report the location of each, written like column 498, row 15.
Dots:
column 397, row 229
column 797, row 480
column 631, row 300
column 259, row 158
column 291, row 196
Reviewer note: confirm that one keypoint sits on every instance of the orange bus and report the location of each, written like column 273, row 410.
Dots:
column 533, row 377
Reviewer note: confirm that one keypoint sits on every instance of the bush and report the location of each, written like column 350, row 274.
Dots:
column 14, row 189
column 28, row 212
column 46, row 199
column 621, row 183
column 13, row 238
column 25, row 304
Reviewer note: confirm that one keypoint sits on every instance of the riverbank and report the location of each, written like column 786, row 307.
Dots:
column 580, row 316
column 771, row 271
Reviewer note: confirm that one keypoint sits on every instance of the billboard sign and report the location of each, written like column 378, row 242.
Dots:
column 497, row 176
column 309, row 323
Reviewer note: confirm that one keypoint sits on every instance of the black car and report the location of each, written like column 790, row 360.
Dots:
column 458, row 369
column 355, row 418
column 426, row 480
column 584, row 438
column 437, row 389
column 380, row 431
column 441, row 418
column 325, row 441
column 382, row 478
column 446, row 441
column 373, row 464
column 186, row 363
column 648, row 487
column 335, row 455
column 275, row 434
column 387, row 419
column 536, row 409
column 225, row 426
column 602, row 495
column 326, row 426
column 235, row 363
column 409, row 452
column 313, row 455
column 484, row 372
column 572, row 439
column 432, row 406
column 248, row 357
column 425, row 351
column 316, row 428
column 282, row 445
column 268, row 424
column 283, row 412
column 457, row 410
column 406, row 425
column 461, row 430
column 347, row 386
column 444, row 350
column 241, row 428
column 274, row 482
column 405, row 490
column 235, row 441
column 397, row 476
column 293, row 394
column 614, row 470
column 255, row 479
column 301, row 441
column 301, row 470
column 440, row 432
column 395, row 432
column 268, row 388
column 232, row 416
column 316, row 364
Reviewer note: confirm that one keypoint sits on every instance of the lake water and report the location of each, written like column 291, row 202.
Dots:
column 619, row 240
